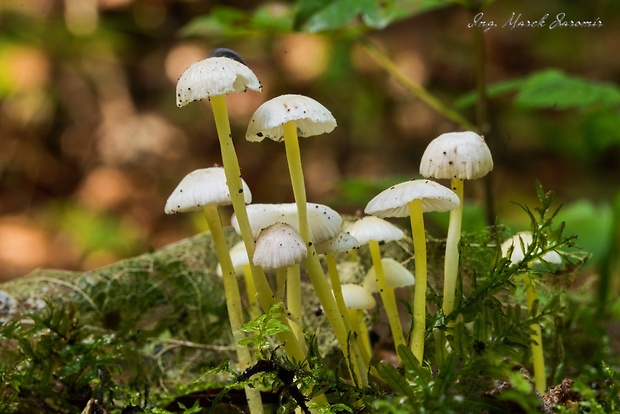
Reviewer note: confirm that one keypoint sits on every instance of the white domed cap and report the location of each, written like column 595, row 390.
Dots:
column 239, row 258
column 394, row 201
column 323, row 222
column 214, row 76
column 357, row 297
column 374, row 228
column 341, row 243
column 200, row 188
column 521, row 241
column 278, row 246
column 311, row 118
column 462, row 155
column 396, row 276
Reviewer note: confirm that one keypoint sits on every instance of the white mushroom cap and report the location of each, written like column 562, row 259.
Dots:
column 394, row 201
column 357, row 297
column 239, row 258
column 311, row 118
column 374, row 228
column 214, row 76
column 396, row 275
column 200, row 188
column 521, row 241
column 324, row 222
column 341, row 243
column 278, row 246
column 462, row 155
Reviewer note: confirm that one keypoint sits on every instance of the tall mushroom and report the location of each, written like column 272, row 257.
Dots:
column 286, row 118
column 214, row 78
column 413, row 198
column 456, row 156
column 372, row 230
column 206, row 189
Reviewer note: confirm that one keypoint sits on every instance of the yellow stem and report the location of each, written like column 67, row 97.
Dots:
column 251, row 292
column 280, row 284
column 293, row 156
column 419, row 297
column 233, row 301
column 233, row 180
column 293, row 299
column 361, row 333
column 387, row 296
column 315, row 270
column 451, row 264
column 415, row 88
column 538, row 359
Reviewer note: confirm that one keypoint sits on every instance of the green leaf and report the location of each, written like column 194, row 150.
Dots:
column 493, row 91
column 601, row 129
column 553, row 89
column 323, row 15
column 556, row 90
column 336, row 15
column 396, row 380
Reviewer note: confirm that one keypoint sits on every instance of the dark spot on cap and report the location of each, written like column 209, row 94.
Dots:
column 228, row 53
column 259, row 134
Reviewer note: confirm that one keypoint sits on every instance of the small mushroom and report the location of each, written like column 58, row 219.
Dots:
column 516, row 249
column 413, row 198
column 372, row 230
column 358, row 299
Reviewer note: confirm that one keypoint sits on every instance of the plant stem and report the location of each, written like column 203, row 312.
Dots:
column 387, row 296
column 315, row 270
column 233, row 301
column 451, row 264
column 389, row 66
column 419, row 298
column 232, row 171
column 538, row 359
column 482, row 115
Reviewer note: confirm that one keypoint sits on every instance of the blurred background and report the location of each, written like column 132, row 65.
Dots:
column 92, row 144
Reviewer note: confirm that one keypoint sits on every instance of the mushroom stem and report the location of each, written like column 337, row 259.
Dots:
column 349, row 325
column 315, row 271
column 361, row 332
column 251, row 291
column 233, row 301
column 349, row 347
column 293, row 298
column 233, row 180
column 540, row 379
column 451, row 264
column 280, row 283
column 293, row 156
column 387, row 296
column 419, row 296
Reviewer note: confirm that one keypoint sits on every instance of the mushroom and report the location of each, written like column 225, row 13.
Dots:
column 413, row 198
column 516, row 249
column 206, row 189
column 212, row 79
column 357, row 299
column 456, row 156
column 324, row 222
column 372, row 230
column 280, row 247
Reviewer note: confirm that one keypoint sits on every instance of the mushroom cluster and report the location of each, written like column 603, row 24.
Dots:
column 287, row 238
